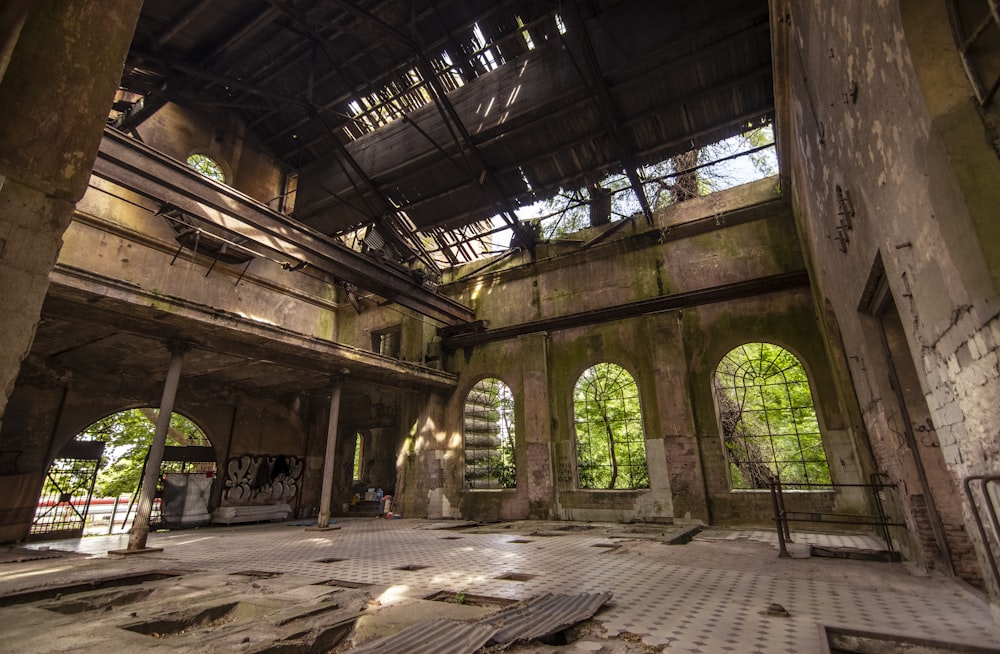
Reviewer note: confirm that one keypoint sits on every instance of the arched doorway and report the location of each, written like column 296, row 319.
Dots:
column 92, row 484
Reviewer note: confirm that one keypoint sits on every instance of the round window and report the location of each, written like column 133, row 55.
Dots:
column 207, row 167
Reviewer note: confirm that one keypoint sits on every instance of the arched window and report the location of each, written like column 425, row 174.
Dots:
column 207, row 166
column 359, row 449
column 768, row 419
column 489, row 436
column 610, row 444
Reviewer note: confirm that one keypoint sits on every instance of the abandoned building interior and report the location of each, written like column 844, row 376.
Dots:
column 594, row 261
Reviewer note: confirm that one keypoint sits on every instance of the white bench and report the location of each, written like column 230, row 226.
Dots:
column 227, row 515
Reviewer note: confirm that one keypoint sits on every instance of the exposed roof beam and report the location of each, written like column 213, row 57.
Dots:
column 723, row 292
column 451, row 119
column 131, row 164
column 596, row 79
column 182, row 20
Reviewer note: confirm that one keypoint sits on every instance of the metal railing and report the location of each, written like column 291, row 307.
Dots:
column 782, row 516
column 988, row 502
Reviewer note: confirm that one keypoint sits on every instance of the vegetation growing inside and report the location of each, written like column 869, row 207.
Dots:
column 610, row 443
column 489, row 436
column 128, row 435
column 768, row 419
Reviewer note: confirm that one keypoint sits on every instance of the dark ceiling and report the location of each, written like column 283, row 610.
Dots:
column 423, row 117
column 415, row 119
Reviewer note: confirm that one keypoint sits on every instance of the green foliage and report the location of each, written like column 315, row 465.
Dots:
column 489, row 436
column 610, row 444
column 359, row 442
column 207, row 167
column 678, row 178
column 768, row 418
column 128, row 435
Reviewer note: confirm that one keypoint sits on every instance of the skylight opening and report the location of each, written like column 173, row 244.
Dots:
column 525, row 33
column 560, row 25
column 484, row 54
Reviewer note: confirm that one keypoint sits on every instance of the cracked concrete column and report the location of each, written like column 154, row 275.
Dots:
column 140, row 527
column 58, row 77
column 331, row 447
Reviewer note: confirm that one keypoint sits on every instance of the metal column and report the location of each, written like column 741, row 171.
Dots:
column 331, row 447
column 140, row 528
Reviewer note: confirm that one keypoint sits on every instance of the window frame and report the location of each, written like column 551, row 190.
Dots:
column 204, row 163
column 638, row 420
column 775, row 466
column 505, row 478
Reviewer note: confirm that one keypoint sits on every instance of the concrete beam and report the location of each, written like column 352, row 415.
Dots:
column 721, row 293
column 131, row 164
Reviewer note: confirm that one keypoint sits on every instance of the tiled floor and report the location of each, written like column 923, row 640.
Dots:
column 711, row 595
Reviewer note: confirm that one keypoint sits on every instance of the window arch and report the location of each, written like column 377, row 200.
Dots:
column 768, row 419
column 489, row 436
column 207, row 166
column 610, row 443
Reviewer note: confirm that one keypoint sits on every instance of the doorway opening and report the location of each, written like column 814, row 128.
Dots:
column 92, row 486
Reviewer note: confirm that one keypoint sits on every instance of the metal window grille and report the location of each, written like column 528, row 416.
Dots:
column 610, row 442
column 976, row 27
column 489, row 436
column 768, row 418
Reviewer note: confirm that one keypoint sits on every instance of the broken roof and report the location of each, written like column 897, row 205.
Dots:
column 418, row 121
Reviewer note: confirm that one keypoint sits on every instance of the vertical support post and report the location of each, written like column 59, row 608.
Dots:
column 781, row 510
column 782, row 550
column 140, row 527
column 114, row 514
column 325, row 499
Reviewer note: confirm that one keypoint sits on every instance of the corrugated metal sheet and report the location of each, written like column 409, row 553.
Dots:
column 529, row 620
column 543, row 616
column 432, row 637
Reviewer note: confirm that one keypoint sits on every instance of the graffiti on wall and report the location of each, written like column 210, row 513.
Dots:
column 262, row 479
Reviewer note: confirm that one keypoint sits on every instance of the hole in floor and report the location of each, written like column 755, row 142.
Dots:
column 49, row 592
column 99, row 601
column 575, row 528
column 257, row 574
column 520, row 540
column 183, row 621
column 515, row 576
column 309, row 614
column 315, row 641
column 466, row 598
column 849, row 641
column 412, row 566
column 610, row 546
column 452, row 538
column 341, row 583
column 330, row 560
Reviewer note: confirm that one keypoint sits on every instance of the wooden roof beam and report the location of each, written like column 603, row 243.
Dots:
column 595, row 77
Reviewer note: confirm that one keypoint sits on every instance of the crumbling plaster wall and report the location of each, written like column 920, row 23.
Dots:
column 179, row 132
column 116, row 236
column 877, row 103
column 42, row 418
column 671, row 355
column 788, row 320
column 59, row 72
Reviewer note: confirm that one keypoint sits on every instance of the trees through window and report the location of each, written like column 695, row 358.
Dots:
column 208, row 167
column 768, row 419
column 610, row 443
column 359, row 454
column 489, row 436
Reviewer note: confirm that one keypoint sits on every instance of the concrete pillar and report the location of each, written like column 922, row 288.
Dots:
column 325, row 498
column 59, row 73
column 140, row 527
